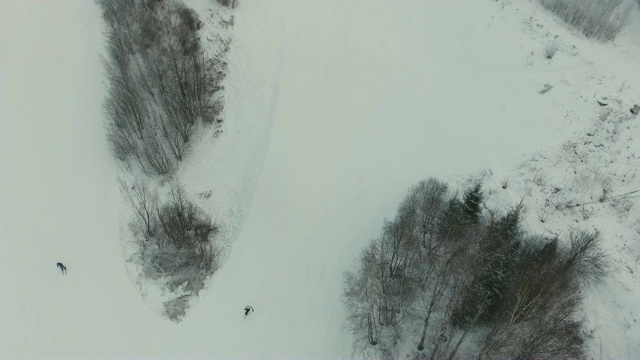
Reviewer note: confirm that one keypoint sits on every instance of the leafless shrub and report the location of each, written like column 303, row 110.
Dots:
column 542, row 215
column 585, row 257
column 606, row 188
column 550, row 50
column 623, row 205
column 186, row 227
column 505, row 183
column 540, row 178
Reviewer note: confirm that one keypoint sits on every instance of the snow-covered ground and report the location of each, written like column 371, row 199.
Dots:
column 333, row 110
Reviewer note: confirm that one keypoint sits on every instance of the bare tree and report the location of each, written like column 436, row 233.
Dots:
column 362, row 294
column 428, row 198
column 144, row 202
column 441, row 277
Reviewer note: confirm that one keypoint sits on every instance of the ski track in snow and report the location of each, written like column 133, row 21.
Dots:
column 332, row 112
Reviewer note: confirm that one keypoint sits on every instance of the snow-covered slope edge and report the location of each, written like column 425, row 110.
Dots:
column 596, row 165
column 591, row 181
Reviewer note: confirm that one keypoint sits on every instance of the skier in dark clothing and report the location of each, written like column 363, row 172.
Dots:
column 247, row 309
column 62, row 268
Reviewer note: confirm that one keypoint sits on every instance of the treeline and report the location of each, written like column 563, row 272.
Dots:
column 162, row 86
column 446, row 268
column 598, row 19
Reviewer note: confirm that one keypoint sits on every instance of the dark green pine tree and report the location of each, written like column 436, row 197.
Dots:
column 472, row 203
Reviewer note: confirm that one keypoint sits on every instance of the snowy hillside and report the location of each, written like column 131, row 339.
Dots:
column 333, row 109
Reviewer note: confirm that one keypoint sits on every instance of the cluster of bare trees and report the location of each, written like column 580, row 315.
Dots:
column 161, row 83
column 444, row 269
column 175, row 237
column 163, row 87
column 597, row 19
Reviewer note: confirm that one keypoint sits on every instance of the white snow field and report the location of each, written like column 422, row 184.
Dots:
column 334, row 108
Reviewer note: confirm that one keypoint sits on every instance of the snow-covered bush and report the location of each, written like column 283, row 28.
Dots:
column 186, row 227
column 445, row 271
column 597, row 19
column 175, row 239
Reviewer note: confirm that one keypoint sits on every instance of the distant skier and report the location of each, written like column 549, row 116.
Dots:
column 62, row 268
column 247, row 309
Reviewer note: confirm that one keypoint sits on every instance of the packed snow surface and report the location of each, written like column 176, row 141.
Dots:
column 334, row 108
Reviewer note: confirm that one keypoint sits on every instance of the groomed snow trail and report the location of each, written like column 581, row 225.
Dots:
column 59, row 195
column 365, row 98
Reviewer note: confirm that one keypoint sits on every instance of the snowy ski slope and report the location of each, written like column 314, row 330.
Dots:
column 334, row 108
